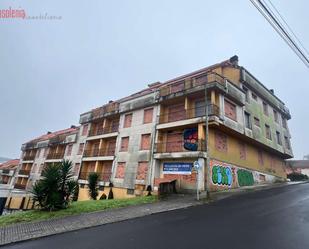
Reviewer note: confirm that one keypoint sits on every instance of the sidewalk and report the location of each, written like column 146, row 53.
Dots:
column 26, row 231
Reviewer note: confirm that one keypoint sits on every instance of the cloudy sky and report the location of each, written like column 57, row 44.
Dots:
column 53, row 70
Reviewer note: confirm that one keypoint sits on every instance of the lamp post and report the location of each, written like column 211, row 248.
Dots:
column 206, row 137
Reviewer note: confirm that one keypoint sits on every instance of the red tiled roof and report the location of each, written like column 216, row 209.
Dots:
column 54, row 134
column 11, row 164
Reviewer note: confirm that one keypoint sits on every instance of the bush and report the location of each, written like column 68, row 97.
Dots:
column 92, row 184
column 56, row 189
column 297, row 177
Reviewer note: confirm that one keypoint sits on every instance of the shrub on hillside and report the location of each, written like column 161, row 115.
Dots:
column 297, row 177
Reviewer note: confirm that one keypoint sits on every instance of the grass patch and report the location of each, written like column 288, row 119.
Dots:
column 79, row 207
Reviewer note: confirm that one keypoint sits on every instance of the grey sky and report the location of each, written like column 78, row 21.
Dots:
column 53, row 70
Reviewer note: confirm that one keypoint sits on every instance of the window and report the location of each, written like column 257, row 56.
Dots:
column 242, row 151
column 148, row 113
column 248, row 120
column 260, row 157
column 124, row 144
column 230, row 110
column 130, row 191
column 142, row 170
column 76, row 168
column 69, row 149
column 246, row 93
column 145, row 142
column 284, row 124
column 80, row 149
column 276, row 117
column 127, row 120
column 120, row 170
column 221, row 142
column 287, row 143
column 254, row 96
column 268, row 132
column 265, row 108
column 278, row 138
column 257, row 122
column 85, row 130
column 177, row 87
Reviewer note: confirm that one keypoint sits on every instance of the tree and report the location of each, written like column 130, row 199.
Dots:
column 57, row 187
column 92, row 185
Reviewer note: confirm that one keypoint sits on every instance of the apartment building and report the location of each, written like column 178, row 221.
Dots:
column 49, row 148
column 7, row 172
column 153, row 137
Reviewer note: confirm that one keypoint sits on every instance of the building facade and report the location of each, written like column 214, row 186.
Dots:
column 135, row 141
column 220, row 117
column 50, row 148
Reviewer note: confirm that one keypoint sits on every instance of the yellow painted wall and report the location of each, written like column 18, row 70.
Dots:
column 119, row 193
column 16, row 202
column 251, row 162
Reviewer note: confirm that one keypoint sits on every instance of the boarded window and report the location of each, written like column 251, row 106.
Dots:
column 230, row 110
column 177, row 87
column 199, row 108
column 69, row 149
column 201, row 80
column 85, row 130
column 265, row 108
column 260, row 157
column 127, row 120
column 257, row 122
column 142, row 170
column 148, row 113
column 176, row 112
column 242, row 151
column 111, row 146
column 76, row 169
column 145, row 142
column 120, row 170
column 174, row 142
column 124, row 144
column 80, row 149
column 221, row 141
column 268, row 132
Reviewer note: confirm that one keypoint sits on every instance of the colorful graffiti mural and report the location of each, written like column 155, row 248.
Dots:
column 245, row 177
column 222, row 175
column 190, row 139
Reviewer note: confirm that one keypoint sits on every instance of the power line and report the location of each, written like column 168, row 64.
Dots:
column 279, row 28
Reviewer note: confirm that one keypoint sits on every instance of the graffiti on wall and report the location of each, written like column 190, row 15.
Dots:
column 190, row 137
column 245, row 177
column 222, row 175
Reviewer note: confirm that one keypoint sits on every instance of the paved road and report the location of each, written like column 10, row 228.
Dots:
column 276, row 218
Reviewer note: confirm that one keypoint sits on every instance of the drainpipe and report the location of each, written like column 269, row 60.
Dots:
column 206, row 142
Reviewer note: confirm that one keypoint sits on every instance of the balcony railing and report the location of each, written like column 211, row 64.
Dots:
column 213, row 110
column 25, row 172
column 58, row 155
column 105, row 177
column 28, row 157
column 100, row 152
column 188, row 84
column 179, row 146
column 19, row 186
column 101, row 131
column 6, row 171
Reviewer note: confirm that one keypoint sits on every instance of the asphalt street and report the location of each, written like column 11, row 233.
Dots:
column 274, row 218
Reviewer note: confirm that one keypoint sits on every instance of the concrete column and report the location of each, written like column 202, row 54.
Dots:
column 201, row 175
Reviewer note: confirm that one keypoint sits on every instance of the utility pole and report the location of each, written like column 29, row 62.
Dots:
column 206, row 137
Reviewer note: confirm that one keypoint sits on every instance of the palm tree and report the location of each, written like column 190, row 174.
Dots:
column 57, row 187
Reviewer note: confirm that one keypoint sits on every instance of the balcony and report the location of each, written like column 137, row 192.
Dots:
column 4, row 181
column 100, row 152
column 184, row 86
column 19, row 186
column 28, row 157
column 178, row 146
column 103, row 176
column 25, row 172
column 102, row 131
column 6, row 172
column 58, row 155
column 213, row 110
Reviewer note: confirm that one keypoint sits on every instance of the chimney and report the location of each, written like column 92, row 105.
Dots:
column 154, row 84
column 234, row 60
column 110, row 101
column 272, row 91
column 49, row 132
column 73, row 126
